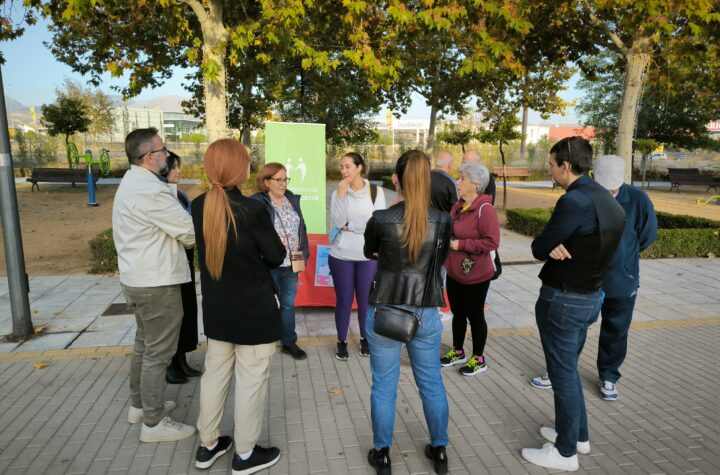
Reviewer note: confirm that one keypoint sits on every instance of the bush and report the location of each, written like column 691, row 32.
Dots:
column 529, row 222
column 103, row 256
column 678, row 235
column 387, row 182
column 702, row 242
column 683, row 221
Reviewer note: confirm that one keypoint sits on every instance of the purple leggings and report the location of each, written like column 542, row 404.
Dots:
column 351, row 279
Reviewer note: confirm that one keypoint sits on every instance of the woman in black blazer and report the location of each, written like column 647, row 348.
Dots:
column 237, row 245
column 179, row 370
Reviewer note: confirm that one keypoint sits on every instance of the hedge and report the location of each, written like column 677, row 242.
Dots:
column 103, row 255
column 678, row 235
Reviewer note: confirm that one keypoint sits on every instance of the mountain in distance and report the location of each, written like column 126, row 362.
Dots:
column 164, row 103
column 14, row 106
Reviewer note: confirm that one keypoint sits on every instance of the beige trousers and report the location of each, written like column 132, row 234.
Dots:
column 251, row 364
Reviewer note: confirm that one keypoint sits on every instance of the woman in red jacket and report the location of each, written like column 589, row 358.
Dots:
column 475, row 234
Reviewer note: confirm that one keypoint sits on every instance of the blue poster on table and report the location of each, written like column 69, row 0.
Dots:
column 322, row 268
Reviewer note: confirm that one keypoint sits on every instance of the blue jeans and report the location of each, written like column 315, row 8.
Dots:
column 563, row 319
column 424, row 351
column 614, row 327
column 286, row 282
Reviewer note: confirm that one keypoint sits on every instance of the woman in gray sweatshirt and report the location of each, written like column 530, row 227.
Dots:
column 351, row 206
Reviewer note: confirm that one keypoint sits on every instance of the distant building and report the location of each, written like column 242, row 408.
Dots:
column 176, row 124
column 561, row 131
column 171, row 125
column 408, row 131
column 535, row 133
column 714, row 129
column 128, row 118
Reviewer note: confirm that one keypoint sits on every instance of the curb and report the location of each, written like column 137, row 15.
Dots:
column 326, row 340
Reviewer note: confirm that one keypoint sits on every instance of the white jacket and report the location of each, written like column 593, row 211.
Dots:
column 353, row 211
column 151, row 231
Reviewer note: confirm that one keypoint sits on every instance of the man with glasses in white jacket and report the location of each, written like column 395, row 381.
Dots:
column 151, row 230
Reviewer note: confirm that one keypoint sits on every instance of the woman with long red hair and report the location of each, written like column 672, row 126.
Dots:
column 237, row 245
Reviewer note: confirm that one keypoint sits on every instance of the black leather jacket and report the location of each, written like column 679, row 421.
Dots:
column 397, row 280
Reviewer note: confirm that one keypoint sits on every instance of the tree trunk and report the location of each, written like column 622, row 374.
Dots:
column 523, row 139
column 431, row 128
column 214, row 50
column 637, row 60
column 502, row 157
column 245, row 118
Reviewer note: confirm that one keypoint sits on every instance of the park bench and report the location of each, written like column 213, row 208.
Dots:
column 61, row 175
column 520, row 172
column 691, row 176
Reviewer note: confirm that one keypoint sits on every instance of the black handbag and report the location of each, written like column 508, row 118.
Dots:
column 497, row 265
column 398, row 323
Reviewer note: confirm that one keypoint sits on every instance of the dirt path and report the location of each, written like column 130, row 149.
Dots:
column 57, row 224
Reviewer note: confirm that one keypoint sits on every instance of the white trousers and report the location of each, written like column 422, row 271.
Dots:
column 251, row 365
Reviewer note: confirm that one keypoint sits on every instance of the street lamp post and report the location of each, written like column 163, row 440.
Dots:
column 12, row 239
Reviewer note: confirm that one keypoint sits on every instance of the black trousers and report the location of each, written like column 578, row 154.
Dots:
column 188, row 340
column 467, row 302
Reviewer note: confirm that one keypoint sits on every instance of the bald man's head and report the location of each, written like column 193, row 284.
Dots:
column 444, row 160
column 472, row 156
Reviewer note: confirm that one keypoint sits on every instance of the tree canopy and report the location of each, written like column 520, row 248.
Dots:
column 67, row 116
column 645, row 32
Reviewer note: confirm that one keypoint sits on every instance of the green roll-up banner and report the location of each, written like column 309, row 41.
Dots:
column 301, row 148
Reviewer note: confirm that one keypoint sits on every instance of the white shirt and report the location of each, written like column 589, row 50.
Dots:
column 151, row 231
column 353, row 211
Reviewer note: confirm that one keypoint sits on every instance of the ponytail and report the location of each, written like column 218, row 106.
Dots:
column 413, row 171
column 226, row 165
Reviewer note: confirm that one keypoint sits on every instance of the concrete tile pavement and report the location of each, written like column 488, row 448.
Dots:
column 71, row 307
column 70, row 417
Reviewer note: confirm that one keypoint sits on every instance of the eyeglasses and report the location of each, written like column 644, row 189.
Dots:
column 164, row 149
column 280, row 181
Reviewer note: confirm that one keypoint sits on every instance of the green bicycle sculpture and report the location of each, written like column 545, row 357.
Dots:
column 73, row 158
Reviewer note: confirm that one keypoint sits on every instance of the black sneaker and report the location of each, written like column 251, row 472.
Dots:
column 260, row 459
column 293, row 350
column 380, row 460
column 364, row 347
column 439, row 458
column 342, row 353
column 204, row 458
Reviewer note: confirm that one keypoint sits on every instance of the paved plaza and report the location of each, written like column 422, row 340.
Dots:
column 64, row 394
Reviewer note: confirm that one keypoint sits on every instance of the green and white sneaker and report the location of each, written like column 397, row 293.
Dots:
column 452, row 358
column 474, row 366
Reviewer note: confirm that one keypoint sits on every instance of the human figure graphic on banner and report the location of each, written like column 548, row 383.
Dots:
column 302, row 168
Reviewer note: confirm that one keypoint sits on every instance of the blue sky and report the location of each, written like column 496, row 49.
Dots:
column 31, row 75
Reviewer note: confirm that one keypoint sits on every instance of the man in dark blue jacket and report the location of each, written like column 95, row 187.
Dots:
column 577, row 244
column 623, row 277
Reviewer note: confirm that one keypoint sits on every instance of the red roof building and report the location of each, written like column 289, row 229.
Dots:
column 557, row 132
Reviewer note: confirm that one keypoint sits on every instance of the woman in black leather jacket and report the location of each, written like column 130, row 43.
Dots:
column 403, row 239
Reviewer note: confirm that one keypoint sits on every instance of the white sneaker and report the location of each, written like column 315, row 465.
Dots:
column 167, row 430
column 608, row 391
column 135, row 414
column 541, row 382
column 549, row 434
column 549, row 457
